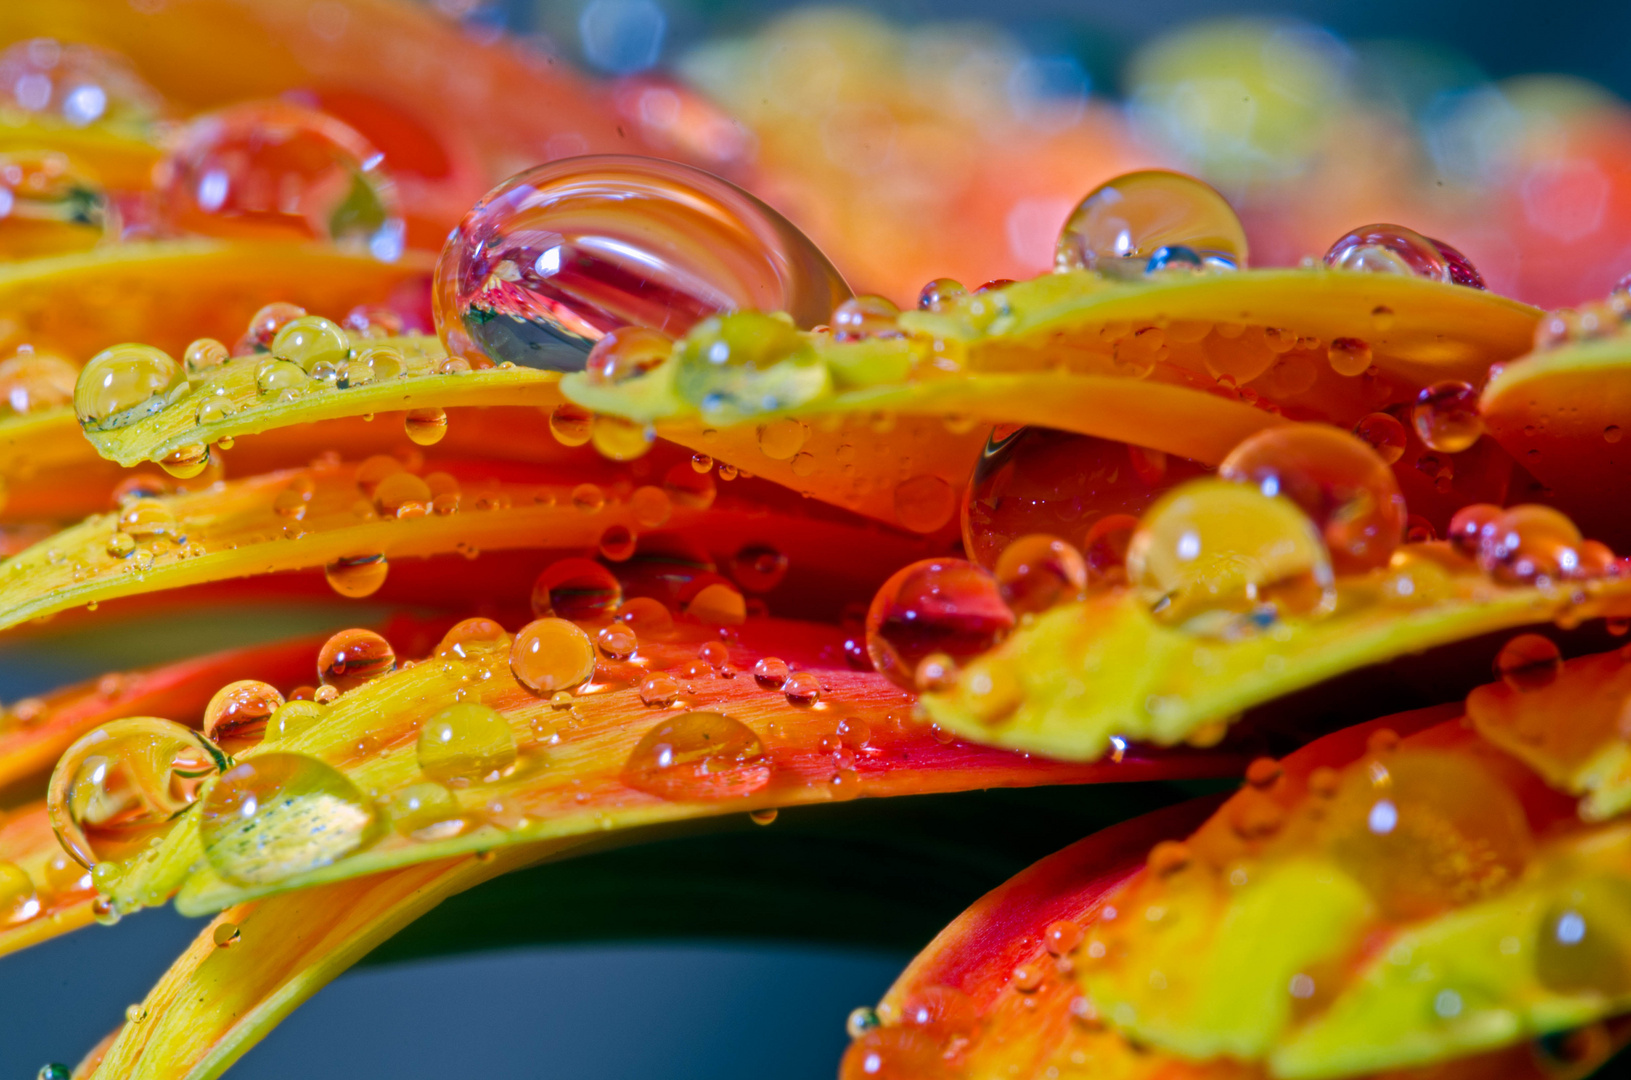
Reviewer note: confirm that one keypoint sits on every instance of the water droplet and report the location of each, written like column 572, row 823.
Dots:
column 1580, row 946
column 472, row 639
column 1462, row 271
column 581, row 590
column 747, row 363
column 627, row 353
column 425, row 427
column 1349, row 356
column 651, row 506
column 376, row 363
column 1384, row 434
column 555, row 257
column 124, row 384
column 863, row 317
column 617, row 439
column 771, row 672
column 781, row 439
column 1061, row 938
column 924, row 503
column 55, row 1071
column 356, row 576
column 617, row 641
column 236, row 717
column 1612, row 433
column 123, row 783
column 316, row 344
column 264, row 325
column 939, row 294
column 763, row 817
column 270, row 169
column 718, row 604
column 758, row 568
column 802, row 689
column 1529, row 662
column 426, row 811
column 1389, row 249
column 226, row 935
column 203, row 356
column 277, row 815
column 281, row 380
column 1036, row 480
column 295, row 716
column 1125, row 221
column 135, row 1014
column 353, row 657
column 698, row 756
column 186, row 462
column 647, row 617
column 689, row 489
column 1344, row 487
column 617, row 543
column 659, row 691
column 1038, row 571
column 1212, row 548
column 144, row 519
column 1446, row 416
column 552, row 654
column 571, row 424
column 934, row 606
column 466, row 741
column 214, row 409
column 31, row 380
column 19, row 902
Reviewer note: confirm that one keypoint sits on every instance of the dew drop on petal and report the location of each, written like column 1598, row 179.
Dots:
column 945, row 606
column 235, row 718
column 552, row 654
column 126, row 383
column 578, row 589
column 554, row 258
column 1036, row 572
column 465, row 741
column 356, row 576
column 278, row 815
column 1384, row 434
column 698, row 756
column 1135, row 215
column 425, row 427
column 1388, row 249
column 353, row 657
column 1529, row 662
column 1446, row 416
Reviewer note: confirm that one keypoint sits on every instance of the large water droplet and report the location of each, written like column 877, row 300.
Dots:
column 698, row 756
column 356, row 576
column 1389, row 249
column 236, row 717
column 124, row 384
column 1038, row 571
column 278, row 815
column 19, row 901
column 1123, row 222
column 466, row 741
column 1446, row 416
column 472, row 639
column 944, row 606
column 552, row 654
column 577, row 589
column 353, row 657
column 1210, row 552
column 124, row 782
column 31, row 380
column 272, row 170
column 1339, row 482
column 555, row 257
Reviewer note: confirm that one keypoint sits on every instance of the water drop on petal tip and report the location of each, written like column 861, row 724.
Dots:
column 556, row 257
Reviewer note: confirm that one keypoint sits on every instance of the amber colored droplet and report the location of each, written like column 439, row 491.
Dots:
column 758, row 568
column 226, row 935
column 316, row 344
column 1580, row 939
column 551, row 654
column 617, row 543
column 186, row 462
column 718, row 604
column 372, row 364
column 126, row 383
column 353, row 657
column 203, row 356
column 472, row 639
column 19, row 902
column 617, row 439
column 1062, row 937
column 551, row 260
column 687, row 488
column 570, row 424
column 701, row 463
column 617, row 641
column 1036, row 572
column 781, row 439
column 1344, row 487
column 771, row 672
column 1613, row 433
column 863, row 317
column 626, row 353
column 236, row 716
column 895, row 1053
column 660, row 691
column 123, row 783
column 934, row 606
column 1529, row 662
column 425, row 427
column 647, row 617
column 1473, row 527
column 1027, row 978
column 1132, row 217
column 1446, row 416
column 924, row 503
column 802, row 689
column 400, row 489
column 1209, row 552
column 1349, row 356
column 1105, row 549
column 581, row 590
column 1384, row 434
column 466, row 741
column 698, row 756
column 650, row 506
column 265, row 324
column 356, row 576
column 278, row 815
column 763, row 817
column 588, row 498
column 1263, row 772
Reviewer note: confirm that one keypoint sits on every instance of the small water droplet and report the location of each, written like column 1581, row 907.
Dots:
column 1388, row 249
column 802, row 689
column 1384, row 434
column 1038, row 571
column 924, row 503
column 425, row 427
column 317, row 345
column 570, row 424
column 1349, row 356
column 1446, row 416
column 1529, row 662
column 356, row 576
column 226, row 935
column 660, row 690
column 236, row 717
column 353, row 657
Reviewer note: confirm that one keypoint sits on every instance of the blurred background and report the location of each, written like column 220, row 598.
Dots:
column 911, row 140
